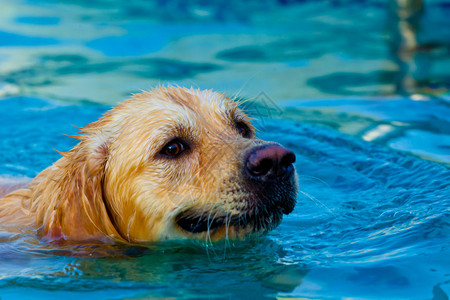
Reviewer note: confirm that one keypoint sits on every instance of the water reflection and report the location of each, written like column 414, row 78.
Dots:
column 298, row 49
column 330, row 63
column 406, row 51
column 415, row 51
column 181, row 269
column 371, row 210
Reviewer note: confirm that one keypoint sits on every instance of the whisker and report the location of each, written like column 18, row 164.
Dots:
column 317, row 201
column 208, row 238
column 227, row 224
column 314, row 178
column 236, row 94
column 207, row 250
column 192, row 82
column 209, row 222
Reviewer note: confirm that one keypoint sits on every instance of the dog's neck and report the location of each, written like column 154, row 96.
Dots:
column 67, row 199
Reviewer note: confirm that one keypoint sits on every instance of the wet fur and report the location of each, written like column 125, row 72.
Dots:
column 115, row 186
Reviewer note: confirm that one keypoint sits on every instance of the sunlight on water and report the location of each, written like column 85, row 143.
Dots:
column 361, row 95
column 369, row 218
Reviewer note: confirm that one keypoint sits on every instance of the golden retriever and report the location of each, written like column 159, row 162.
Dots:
column 166, row 164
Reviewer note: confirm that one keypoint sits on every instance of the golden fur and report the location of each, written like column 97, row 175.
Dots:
column 115, row 185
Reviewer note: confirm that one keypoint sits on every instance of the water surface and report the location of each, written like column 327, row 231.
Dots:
column 367, row 118
column 370, row 222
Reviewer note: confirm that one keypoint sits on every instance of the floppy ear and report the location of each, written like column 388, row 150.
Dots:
column 70, row 200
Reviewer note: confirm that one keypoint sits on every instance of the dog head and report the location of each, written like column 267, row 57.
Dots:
column 183, row 163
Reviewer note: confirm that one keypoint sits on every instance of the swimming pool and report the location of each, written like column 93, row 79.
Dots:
column 373, row 217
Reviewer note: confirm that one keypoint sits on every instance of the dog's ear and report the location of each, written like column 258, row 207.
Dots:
column 72, row 204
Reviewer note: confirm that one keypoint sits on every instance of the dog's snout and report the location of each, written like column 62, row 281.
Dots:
column 270, row 162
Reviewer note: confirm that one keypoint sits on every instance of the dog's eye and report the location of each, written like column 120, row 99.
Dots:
column 243, row 129
column 173, row 148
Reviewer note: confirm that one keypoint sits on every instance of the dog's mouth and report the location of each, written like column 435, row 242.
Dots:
column 197, row 222
column 260, row 214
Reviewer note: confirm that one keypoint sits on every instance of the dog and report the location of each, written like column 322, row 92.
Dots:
column 170, row 163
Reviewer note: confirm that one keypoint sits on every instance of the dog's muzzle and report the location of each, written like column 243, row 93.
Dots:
column 270, row 170
column 269, row 175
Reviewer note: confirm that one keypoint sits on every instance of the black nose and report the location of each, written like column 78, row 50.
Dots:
column 270, row 162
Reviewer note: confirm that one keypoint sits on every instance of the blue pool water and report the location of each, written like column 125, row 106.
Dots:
column 371, row 222
column 367, row 117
